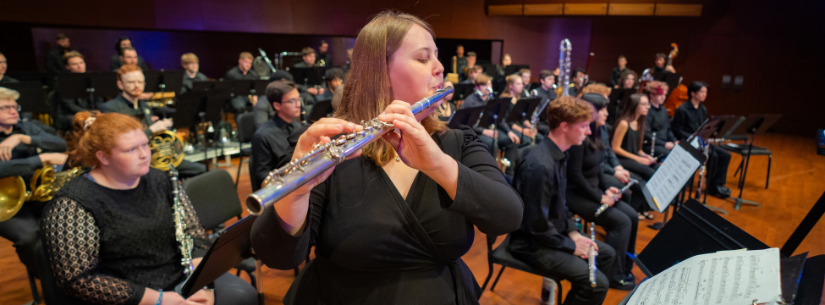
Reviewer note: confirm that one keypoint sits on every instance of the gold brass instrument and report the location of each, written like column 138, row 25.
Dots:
column 167, row 149
column 161, row 99
column 12, row 196
column 455, row 64
column 44, row 184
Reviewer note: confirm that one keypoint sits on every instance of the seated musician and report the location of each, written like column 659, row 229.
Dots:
column 323, row 58
column 547, row 82
column 118, row 59
column 459, row 60
column 577, row 79
column 469, row 68
column 389, row 226
column 686, row 120
column 4, row 65
column 308, row 61
column 131, row 81
column 482, row 94
column 263, row 109
column 597, row 88
column 658, row 122
column 629, row 80
column 19, row 145
column 243, row 71
column 55, row 61
column 660, row 64
column 519, row 132
column 333, row 77
column 269, row 144
column 548, row 239
column 475, row 71
column 191, row 67
column 616, row 75
column 74, row 62
column 588, row 190
column 446, row 108
column 525, row 79
column 110, row 235
column 628, row 135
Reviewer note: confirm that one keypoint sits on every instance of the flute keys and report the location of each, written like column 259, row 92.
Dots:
column 340, row 141
column 352, row 136
column 336, row 153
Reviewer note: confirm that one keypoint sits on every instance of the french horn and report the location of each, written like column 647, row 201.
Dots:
column 167, row 149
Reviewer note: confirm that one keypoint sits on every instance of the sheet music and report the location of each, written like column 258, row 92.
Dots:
column 722, row 278
column 671, row 176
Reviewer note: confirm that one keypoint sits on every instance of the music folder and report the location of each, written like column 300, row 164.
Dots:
column 670, row 178
column 230, row 248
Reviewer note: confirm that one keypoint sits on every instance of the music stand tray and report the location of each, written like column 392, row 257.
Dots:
column 462, row 91
column 187, row 108
column 230, row 248
column 494, row 111
column 523, row 110
column 466, row 116
column 308, row 76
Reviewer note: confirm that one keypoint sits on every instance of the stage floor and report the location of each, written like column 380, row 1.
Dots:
column 796, row 183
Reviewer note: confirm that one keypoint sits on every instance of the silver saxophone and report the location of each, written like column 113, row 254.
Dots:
column 591, row 256
column 616, row 196
column 564, row 76
column 285, row 180
column 185, row 242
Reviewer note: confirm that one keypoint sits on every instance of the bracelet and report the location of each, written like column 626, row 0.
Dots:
column 160, row 297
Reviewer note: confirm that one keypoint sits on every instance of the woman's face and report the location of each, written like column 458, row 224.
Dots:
column 629, row 82
column 601, row 118
column 644, row 106
column 131, row 155
column 517, row 86
column 415, row 71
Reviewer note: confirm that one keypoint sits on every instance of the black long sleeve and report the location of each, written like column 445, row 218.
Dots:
column 575, row 176
column 540, row 193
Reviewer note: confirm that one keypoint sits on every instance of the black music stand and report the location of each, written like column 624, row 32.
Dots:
column 462, row 91
column 163, row 81
column 698, row 231
column 243, row 87
column 75, row 86
column 32, row 96
column 466, row 116
column 308, row 76
column 203, row 85
column 45, row 79
column 754, row 124
column 259, row 88
column 322, row 109
column 513, row 69
column 494, row 112
column 187, row 108
column 523, row 111
column 671, row 79
column 104, row 84
column 230, row 248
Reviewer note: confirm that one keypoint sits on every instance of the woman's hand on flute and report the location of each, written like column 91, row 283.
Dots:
column 321, row 133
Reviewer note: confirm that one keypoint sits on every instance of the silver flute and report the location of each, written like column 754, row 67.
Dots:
column 616, row 196
column 285, row 180
column 591, row 259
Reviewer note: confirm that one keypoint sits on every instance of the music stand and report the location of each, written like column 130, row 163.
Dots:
column 523, row 111
column 308, row 76
column 754, row 124
column 187, row 108
column 230, row 248
column 242, row 87
column 463, row 91
column 466, row 116
column 45, row 79
column 322, row 109
column 203, row 85
column 104, row 84
column 215, row 99
column 32, row 96
column 259, row 88
column 513, row 69
column 490, row 70
column 494, row 112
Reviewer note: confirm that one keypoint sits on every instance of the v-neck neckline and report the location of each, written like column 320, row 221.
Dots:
column 395, row 191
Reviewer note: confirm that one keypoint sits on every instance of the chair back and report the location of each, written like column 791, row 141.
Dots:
column 214, row 197
column 246, row 127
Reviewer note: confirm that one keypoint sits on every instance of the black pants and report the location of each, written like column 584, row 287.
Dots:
column 504, row 144
column 230, row 290
column 634, row 196
column 188, row 169
column 574, row 269
column 644, row 171
column 24, row 231
column 718, row 166
column 620, row 222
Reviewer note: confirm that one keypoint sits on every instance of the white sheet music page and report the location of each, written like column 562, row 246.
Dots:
column 722, row 278
column 671, row 176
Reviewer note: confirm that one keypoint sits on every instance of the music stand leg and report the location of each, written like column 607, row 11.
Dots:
column 259, row 282
column 739, row 201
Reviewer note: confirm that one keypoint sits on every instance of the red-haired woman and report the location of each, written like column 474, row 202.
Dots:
column 389, row 226
column 110, row 233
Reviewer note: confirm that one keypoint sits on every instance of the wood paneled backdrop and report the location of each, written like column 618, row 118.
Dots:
column 772, row 44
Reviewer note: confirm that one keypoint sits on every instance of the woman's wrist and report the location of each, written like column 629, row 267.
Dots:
column 160, row 298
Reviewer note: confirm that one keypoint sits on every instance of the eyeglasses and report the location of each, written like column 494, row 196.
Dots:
column 7, row 108
column 293, row 101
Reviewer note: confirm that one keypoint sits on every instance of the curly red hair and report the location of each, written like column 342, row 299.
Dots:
column 99, row 135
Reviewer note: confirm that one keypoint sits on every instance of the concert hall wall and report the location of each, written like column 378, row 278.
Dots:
column 772, row 44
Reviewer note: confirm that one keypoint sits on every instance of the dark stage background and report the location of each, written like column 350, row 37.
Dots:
column 772, row 44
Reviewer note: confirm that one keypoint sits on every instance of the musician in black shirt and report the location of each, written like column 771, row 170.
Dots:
column 4, row 64
column 475, row 71
column 308, row 58
column 548, row 239
column 116, row 61
column 55, row 62
column 660, row 65
column 269, row 144
column 686, row 120
column 323, row 58
column 616, row 75
column 74, row 62
column 459, row 60
column 657, row 122
column 191, row 74
column 240, row 72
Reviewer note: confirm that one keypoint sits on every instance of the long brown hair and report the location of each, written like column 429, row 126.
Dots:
column 367, row 89
column 628, row 111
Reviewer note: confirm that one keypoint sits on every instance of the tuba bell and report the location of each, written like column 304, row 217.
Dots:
column 167, row 149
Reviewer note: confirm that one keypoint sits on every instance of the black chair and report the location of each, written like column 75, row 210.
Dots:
column 52, row 294
column 215, row 203
column 742, row 150
column 502, row 256
column 246, row 129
